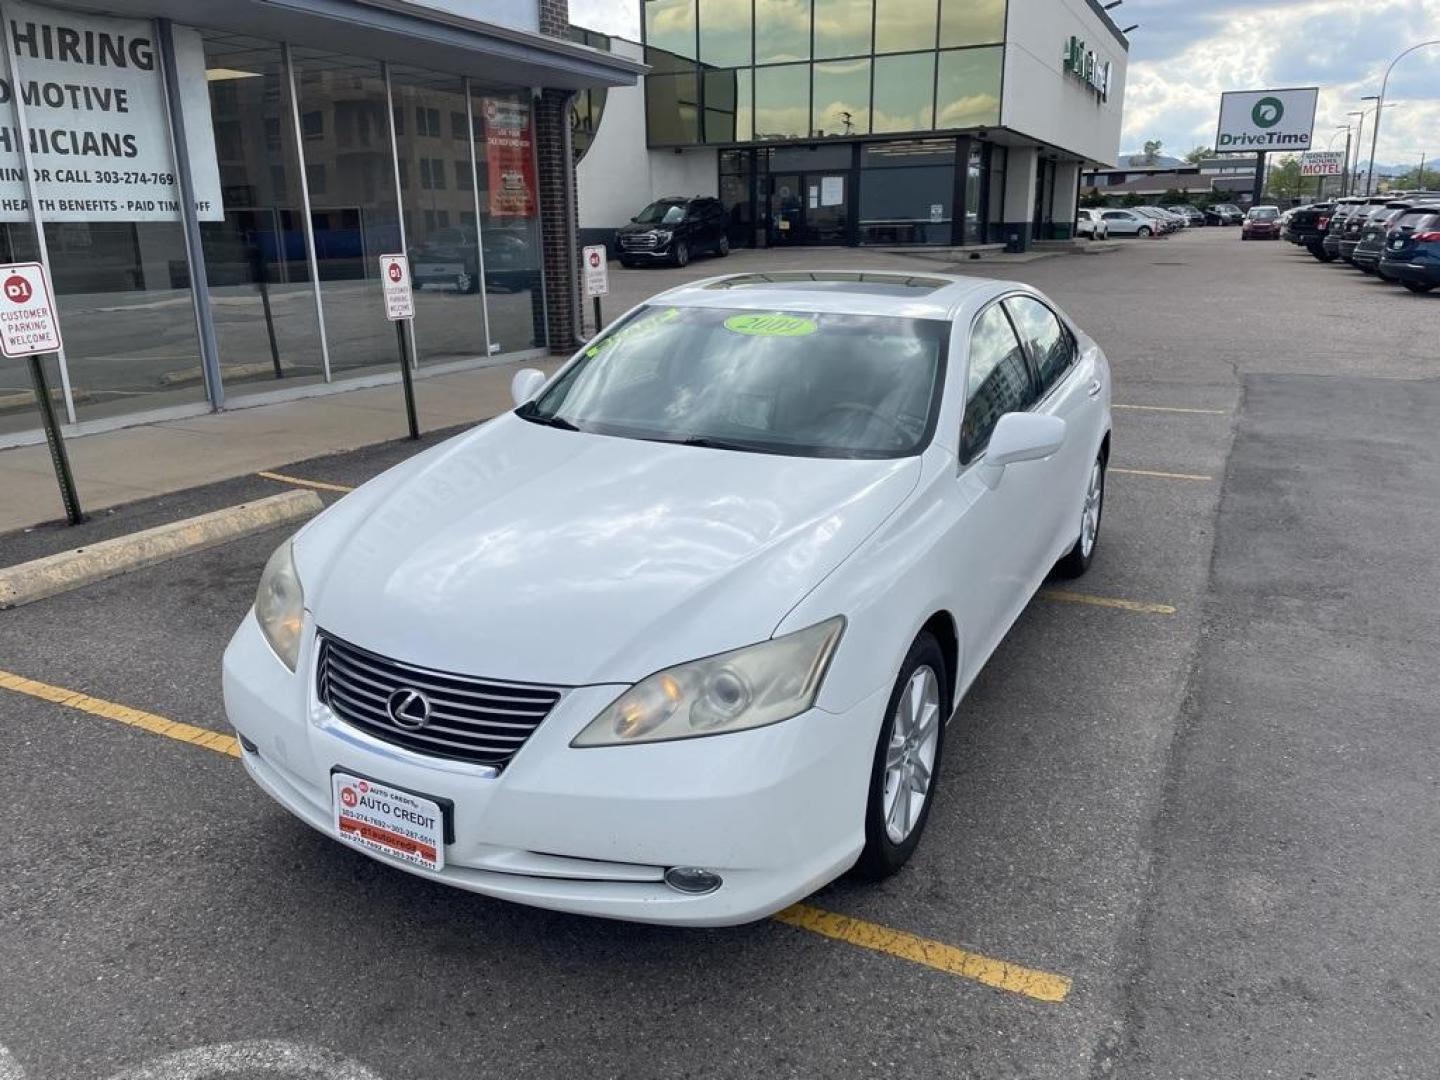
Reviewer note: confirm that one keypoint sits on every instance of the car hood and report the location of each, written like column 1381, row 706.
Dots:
column 634, row 228
column 531, row 554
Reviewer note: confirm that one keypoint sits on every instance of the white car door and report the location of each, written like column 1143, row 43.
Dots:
column 1070, row 388
column 994, row 544
column 1121, row 222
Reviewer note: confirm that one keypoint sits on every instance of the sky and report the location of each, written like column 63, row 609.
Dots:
column 1186, row 52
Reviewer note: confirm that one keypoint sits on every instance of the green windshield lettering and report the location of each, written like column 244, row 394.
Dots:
column 770, row 325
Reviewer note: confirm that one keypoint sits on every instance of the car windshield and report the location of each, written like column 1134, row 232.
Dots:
column 662, row 212
column 799, row 383
column 1264, row 213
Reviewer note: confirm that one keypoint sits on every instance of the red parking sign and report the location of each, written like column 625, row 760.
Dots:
column 27, row 313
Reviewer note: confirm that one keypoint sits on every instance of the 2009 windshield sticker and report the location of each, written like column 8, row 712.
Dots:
column 636, row 329
column 771, row 325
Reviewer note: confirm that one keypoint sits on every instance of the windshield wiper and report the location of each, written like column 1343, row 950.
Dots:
column 527, row 412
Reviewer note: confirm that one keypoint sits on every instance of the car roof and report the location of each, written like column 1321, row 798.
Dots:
column 840, row 291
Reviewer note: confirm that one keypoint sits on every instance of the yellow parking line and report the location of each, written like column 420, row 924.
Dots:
column 1170, row 408
column 319, row 485
column 1161, row 475
column 1141, row 607
column 156, row 725
column 1040, row 985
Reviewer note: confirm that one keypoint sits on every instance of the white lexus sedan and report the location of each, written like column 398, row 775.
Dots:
column 677, row 639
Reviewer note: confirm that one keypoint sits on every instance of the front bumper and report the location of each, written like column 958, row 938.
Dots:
column 776, row 812
column 659, row 254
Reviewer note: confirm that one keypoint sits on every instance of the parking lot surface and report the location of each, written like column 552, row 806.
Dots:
column 1185, row 827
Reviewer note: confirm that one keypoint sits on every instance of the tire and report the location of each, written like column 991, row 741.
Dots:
column 723, row 248
column 1321, row 254
column 681, row 255
column 883, row 854
column 628, row 264
column 1418, row 287
column 1144, row 230
column 1077, row 560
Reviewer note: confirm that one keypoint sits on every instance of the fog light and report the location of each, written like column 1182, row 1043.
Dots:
column 692, row 880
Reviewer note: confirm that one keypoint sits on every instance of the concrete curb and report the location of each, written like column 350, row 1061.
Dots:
column 54, row 574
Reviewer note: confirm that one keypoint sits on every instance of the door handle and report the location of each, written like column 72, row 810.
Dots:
column 1094, row 388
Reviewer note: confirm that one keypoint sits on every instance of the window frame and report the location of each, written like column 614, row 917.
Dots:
column 1035, row 373
column 978, row 455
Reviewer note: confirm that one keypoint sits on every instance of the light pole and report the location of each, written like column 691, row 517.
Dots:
column 1384, row 83
column 1339, row 128
column 1353, row 179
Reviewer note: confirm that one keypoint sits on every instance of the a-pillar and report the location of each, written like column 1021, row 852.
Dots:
column 1067, row 194
column 1020, row 164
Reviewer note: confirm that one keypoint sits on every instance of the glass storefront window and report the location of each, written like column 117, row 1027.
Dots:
column 722, row 104
column 262, row 300
column 672, row 109
column 904, row 93
column 440, row 232
column 971, row 22
column 724, row 33
column 967, row 93
column 902, row 25
column 670, row 25
column 782, row 31
column 842, row 28
column 907, row 192
column 356, row 216
column 841, row 98
column 509, row 218
column 782, row 102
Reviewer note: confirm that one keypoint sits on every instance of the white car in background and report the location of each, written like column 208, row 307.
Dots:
column 1090, row 223
column 677, row 639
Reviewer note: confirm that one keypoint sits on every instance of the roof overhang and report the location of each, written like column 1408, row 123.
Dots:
column 399, row 33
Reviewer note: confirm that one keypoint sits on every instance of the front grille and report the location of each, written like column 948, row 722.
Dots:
column 645, row 242
column 469, row 719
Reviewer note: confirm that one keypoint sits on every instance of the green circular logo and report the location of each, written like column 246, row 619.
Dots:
column 1267, row 112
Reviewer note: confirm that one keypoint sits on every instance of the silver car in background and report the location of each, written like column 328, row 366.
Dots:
column 1129, row 223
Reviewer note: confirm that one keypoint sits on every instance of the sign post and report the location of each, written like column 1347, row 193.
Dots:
column 29, row 328
column 597, row 277
column 399, row 308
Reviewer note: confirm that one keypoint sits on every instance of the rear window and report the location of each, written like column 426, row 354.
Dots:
column 1418, row 220
column 1383, row 213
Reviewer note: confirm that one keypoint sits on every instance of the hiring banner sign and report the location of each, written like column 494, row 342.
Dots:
column 95, row 107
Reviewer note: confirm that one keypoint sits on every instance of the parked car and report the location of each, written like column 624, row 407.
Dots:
column 1304, row 227
column 1261, row 223
column 1179, row 221
column 1412, row 250
column 1090, row 223
column 448, row 259
column 687, row 647
column 1335, row 228
column 1192, row 216
column 1165, row 223
column 1355, row 223
column 1129, row 223
column 1373, row 233
column 672, row 229
column 1223, row 214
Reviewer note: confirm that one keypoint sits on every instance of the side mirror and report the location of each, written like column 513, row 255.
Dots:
column 526, row 384
column 1020, row 436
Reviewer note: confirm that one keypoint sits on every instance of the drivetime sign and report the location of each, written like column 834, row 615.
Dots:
column 1266, row 119
column 27, row 311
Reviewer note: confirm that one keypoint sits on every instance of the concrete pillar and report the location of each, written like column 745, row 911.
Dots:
column 1067, row 191
column 1019, row 195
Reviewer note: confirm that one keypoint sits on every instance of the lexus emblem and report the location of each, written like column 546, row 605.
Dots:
column 409, row 709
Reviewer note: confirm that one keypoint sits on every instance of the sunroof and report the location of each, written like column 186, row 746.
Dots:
column 836, row 281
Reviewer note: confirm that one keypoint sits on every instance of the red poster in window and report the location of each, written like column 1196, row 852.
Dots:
column 510, row 166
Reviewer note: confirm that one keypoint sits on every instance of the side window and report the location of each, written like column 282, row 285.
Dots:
column 1051, row 348
column 1114, row 215
column 999, row 380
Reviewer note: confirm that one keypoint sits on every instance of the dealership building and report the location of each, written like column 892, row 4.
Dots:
column 211, row 183
column 861, row 122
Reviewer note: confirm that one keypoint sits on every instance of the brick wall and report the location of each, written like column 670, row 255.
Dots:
column 552, row 116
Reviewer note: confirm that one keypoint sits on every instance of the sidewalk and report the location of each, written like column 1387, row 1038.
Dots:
column 135, row 463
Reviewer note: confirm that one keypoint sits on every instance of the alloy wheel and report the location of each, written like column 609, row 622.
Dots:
column 910, row 755
column 1090, row 516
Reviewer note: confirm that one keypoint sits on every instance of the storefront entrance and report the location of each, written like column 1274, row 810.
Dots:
column 809, row 208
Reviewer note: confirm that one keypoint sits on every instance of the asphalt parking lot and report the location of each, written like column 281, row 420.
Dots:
column 1185, row 828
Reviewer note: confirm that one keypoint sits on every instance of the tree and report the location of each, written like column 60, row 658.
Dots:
column 1152, row 151
column 1131, row 199
column 1285, row 182
column 1093, row 198
column 1199, row 154
column 1173, row 197
column 1418, row 179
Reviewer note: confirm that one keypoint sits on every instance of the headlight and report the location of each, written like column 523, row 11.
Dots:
column 748, row 688
column 280, row 605
column 663, row 237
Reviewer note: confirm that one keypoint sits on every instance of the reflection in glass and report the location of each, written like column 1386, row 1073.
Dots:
column 724, row 33
column 672, row 109
column 444, row 244
column 902, row 25
column 721, row 104
column 904, row 93
column 842, row 98
column 509, row 218
column 261, row 299
column 356, row 216
column 968, row 91
column 974, row 176
column 971, row 22
column 782, row 102
column 842, row 28
column 670, row 25
column 782, row 31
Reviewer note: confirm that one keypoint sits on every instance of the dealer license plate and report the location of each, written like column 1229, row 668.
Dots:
column 394, row 823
